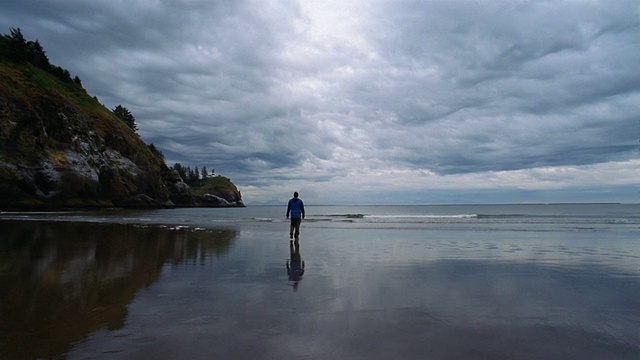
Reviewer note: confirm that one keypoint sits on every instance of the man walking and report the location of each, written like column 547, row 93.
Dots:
column 296, row 209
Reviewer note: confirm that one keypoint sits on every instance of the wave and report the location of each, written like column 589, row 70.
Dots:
column 388, row 217
column 500, row 216
column 257, row 219
column 458, row 216
column 391, row 218
column 348, row 216
column 401, row 216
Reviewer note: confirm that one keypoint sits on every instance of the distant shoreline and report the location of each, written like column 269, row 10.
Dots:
column 48, row 208
column 457, row 204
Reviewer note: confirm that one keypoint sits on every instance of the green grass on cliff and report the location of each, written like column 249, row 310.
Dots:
column 215, row 185
column 28, row 80
column 32, row 87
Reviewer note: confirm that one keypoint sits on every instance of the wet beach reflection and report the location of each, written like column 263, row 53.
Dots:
column 79, row 290
column 59, row 282
column 295, row 264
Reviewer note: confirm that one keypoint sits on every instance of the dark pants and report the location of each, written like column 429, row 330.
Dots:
column 295, row 226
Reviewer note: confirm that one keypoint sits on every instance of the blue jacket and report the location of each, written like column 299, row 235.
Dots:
column 296, row 208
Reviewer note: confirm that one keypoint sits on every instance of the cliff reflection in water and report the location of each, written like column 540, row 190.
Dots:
column 59, row 282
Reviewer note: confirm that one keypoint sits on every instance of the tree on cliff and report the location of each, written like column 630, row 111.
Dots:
column 193, row 177
column 126, row 116
column 14, row 47
column 182, row 171
column 17, row 48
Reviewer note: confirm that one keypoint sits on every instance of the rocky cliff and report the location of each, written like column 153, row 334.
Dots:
column 61, row 148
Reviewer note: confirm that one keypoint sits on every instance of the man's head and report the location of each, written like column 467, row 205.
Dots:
column 295, row 194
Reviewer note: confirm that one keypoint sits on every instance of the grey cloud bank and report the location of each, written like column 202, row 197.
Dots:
column 360, row 102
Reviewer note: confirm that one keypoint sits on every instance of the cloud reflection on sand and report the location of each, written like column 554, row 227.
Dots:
column 114, row 291
column 63, row 281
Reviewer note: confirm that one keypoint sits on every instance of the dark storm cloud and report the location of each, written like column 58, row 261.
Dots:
column 511, row 85
column 273, row 93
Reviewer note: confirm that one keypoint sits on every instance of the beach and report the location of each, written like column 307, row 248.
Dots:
column 430, row 282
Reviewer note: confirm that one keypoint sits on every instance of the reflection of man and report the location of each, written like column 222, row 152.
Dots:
column 295, row 266
column 295, row 207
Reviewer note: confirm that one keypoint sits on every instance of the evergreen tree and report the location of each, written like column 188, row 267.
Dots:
column 16, row 48
column 125, row 115
column 192, row 177
column 155, row 150
column 189, row 178
column 196, row 176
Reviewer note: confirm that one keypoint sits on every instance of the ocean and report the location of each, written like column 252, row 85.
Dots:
column 553, row 281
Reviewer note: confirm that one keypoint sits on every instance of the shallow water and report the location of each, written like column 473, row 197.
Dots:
column 447, row 287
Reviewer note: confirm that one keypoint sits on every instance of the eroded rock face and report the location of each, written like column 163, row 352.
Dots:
column 55, row 152
column 214, row 200
column 54, row 155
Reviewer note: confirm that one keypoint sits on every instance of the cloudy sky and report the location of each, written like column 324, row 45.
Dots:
column 368, row 102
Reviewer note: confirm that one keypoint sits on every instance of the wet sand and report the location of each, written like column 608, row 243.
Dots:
column 105, row 291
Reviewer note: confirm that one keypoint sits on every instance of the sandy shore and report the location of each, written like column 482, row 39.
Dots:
column 127, row 292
